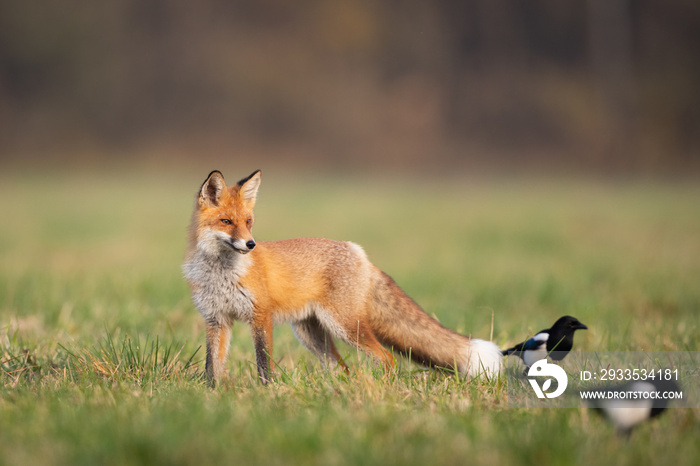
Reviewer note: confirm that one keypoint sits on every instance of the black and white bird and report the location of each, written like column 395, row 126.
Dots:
column 555, row 342
column 629, row 404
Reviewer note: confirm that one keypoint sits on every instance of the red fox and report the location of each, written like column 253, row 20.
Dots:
column 325, row 289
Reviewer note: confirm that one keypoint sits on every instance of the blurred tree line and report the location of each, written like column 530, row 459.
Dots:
column 597, row 83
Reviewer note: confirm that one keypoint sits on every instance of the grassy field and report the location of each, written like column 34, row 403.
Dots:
column 100, row 346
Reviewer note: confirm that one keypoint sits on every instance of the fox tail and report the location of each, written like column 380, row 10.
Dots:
column 405, row 327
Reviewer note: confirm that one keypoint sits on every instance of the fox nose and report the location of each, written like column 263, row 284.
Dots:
column 250, row 244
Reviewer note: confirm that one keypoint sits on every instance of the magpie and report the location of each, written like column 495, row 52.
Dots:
column 555, row 342
column 631, row 403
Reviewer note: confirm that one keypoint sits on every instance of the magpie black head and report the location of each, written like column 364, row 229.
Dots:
column 561, row 336
column 568, row 323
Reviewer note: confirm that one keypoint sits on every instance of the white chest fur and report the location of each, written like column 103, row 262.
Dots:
column 215, row 286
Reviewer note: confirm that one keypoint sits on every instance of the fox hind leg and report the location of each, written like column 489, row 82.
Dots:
column 316, row 339
column 362, row 336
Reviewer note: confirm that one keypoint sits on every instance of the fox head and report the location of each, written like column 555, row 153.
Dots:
column 223, row 216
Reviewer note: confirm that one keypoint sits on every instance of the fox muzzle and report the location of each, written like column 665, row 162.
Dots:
column 241, row 246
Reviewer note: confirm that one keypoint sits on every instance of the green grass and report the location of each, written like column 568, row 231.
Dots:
column 100, row 347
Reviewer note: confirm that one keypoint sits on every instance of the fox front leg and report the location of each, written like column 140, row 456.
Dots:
column 262, row 340
column 218, row 339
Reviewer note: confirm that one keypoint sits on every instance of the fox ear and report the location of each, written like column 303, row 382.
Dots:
column 211, row 190
column 249, row 187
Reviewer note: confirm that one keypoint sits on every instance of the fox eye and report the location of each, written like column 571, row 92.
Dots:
column 226, row 221
column 249, row 222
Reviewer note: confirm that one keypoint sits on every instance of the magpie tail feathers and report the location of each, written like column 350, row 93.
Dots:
column 515, row 349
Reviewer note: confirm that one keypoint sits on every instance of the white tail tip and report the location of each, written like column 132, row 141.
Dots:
column 482, row 358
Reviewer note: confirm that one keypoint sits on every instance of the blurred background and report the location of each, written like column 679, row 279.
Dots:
column 593, row 85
